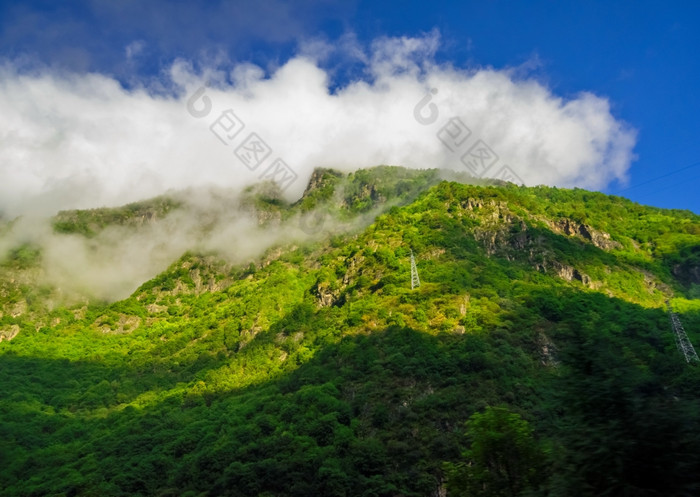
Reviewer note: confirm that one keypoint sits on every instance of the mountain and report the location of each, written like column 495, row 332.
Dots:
column 283, row 352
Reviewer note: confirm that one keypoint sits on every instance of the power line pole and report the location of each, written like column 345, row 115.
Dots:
column 415, row 280
column 682, row 340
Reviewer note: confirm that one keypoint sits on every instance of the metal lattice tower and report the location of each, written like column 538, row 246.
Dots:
column 415, row 280
column 682, row 340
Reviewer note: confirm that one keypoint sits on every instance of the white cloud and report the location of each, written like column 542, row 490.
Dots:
column 134, row 49
column 84, row 141
column 395, row 55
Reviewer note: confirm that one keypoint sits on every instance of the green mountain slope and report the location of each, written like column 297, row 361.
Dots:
column 314, row 369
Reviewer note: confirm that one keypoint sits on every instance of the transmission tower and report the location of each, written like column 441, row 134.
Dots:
column 415, row 280
column 682, row 340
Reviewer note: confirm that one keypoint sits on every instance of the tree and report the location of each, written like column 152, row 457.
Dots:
column 503, row 459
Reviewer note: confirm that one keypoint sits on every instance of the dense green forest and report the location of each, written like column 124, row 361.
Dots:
column 535, row 359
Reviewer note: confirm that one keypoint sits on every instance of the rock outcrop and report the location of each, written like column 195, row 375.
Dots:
column 600, row 239
column 9, row 333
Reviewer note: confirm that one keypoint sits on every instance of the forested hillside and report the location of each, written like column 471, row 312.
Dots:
column 535, row 358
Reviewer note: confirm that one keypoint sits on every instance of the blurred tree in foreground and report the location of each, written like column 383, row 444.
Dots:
column 503, row 459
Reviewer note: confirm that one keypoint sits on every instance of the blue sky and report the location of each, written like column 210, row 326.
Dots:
column 641, row 57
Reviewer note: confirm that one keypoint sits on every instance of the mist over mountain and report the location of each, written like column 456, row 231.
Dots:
column 107, row 253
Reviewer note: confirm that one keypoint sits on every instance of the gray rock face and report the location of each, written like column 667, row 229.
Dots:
column 9, row 333
column 600, row 239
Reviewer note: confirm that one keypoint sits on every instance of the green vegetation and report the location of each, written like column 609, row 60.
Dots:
column 540, row 323
column 90, row 222
column 23, row 257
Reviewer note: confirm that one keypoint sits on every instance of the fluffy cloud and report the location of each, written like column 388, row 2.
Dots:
column 76, row 141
